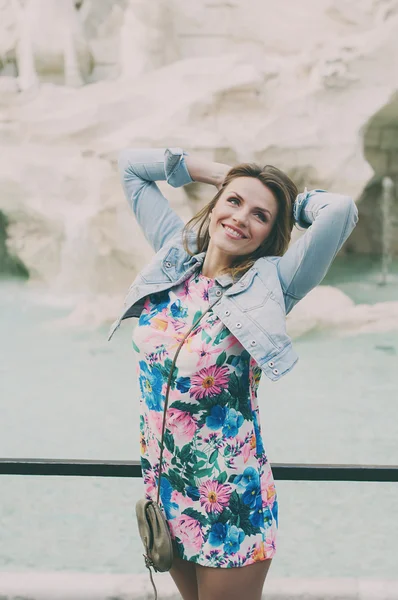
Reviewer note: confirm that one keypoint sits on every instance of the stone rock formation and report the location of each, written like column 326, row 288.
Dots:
column 328, row 309
column 310, row 88
column 42, row 39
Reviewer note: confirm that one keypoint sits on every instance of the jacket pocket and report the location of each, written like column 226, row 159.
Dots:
column 163, row 266
column 253, row 298
column 154, row 275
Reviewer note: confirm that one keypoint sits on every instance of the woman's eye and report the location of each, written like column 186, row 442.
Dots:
column 236, row 201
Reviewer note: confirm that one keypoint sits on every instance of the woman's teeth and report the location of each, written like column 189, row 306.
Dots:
column 233, row 232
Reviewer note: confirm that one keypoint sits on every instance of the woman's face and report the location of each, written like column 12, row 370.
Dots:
column 243, row 217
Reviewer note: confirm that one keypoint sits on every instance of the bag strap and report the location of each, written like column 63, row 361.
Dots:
column 148, row 565
column 168, row 390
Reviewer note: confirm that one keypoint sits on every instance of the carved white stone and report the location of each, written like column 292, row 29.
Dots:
column 147, row 39
column 46, row 40
column 308, row 87
column 327, row 308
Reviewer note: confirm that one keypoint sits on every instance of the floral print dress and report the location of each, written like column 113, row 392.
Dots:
column 217, row 488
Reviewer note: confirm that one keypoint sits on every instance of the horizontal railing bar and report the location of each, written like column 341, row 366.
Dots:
column 132, row 468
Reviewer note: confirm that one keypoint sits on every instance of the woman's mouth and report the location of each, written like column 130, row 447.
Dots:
column 231, row 233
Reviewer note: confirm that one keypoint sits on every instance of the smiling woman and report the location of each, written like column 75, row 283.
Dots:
column 240, row 220
column 253, row 205
column 215, row 297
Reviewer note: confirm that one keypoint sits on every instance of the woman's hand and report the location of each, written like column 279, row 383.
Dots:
column 224, row 170
column 206, row 171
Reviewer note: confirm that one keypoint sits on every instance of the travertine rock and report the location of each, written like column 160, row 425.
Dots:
column 44, row 39
column 310, row 88
column 328, row 309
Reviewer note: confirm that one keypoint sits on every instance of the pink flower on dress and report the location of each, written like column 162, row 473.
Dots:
column 209, row 381
column 182, row 501
column 184, row 291
column 150, row 482
column 156, row 420
column 214, row 496
column 167, row 456
column 174, row 395
column 270, row 543
column 189, row 531
column 268, row 492
column 205, row 352
column 181, row 424
column 249, row 449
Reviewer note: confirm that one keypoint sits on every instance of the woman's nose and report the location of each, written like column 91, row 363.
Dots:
column 240, row 218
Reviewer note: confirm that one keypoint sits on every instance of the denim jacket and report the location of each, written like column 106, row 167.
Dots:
column 254, row 308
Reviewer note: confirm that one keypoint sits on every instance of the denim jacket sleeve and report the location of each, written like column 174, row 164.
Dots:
column 139, row 169
column 329, row 219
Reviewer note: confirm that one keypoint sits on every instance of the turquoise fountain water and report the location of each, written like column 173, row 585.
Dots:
column 70, row 394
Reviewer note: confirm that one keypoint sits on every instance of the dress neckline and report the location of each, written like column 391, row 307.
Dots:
column 200, row 274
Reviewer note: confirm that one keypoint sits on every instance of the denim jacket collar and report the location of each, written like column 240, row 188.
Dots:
column 224, row 280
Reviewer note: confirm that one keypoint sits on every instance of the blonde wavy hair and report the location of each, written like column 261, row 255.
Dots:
column 276, row 243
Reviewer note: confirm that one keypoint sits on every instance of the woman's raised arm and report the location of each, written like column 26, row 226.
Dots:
column 206, row 171
column 139, row 169
column 329, row 219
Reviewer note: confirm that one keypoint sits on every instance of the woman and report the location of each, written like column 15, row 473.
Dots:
column 217, row 489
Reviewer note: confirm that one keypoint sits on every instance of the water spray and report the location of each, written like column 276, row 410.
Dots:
column 386, row 227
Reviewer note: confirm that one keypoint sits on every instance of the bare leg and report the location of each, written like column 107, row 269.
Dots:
column 234, row 584
column 184, row 574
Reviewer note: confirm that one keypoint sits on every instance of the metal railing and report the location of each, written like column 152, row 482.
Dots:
column 132, row 468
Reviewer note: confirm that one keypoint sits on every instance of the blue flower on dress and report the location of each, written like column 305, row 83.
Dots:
column 232, row 423
column 252, row 494
column 178, row 310
column 240, row 363
column 217, row 417
column 217, row 534
column 267, row 517
column 259, row 441
column 159, row 301
column 274, row 511
column 256, row 517
column 145, row 318
column 233, row 539
column 192, row 492
column 151, row 383
column 234, row 360
column 248, row 476
column 165, row 495
column 183, row 384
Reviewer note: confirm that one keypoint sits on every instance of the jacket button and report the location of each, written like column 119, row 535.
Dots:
column 253, row 342
column 238, row 325
column 275, row 371
column 271, row 364
column 218, row 292
column 167, row 264
column 241, row 283
column 227, row 313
